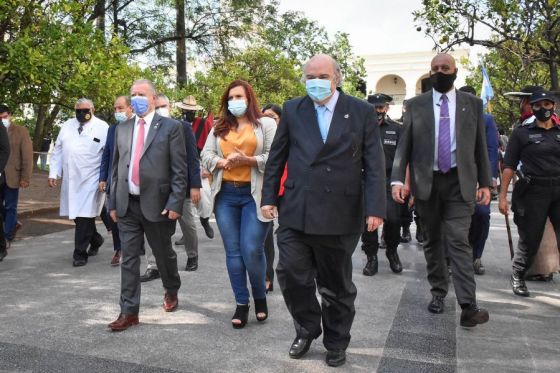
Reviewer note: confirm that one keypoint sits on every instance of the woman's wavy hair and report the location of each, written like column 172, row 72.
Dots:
column 227, row 120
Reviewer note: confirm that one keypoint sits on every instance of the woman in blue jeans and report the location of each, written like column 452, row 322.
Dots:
column 236, row 152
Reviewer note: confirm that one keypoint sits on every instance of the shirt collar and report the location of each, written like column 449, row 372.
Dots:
column 147, row 119
column 450, row 95
column 331, row 103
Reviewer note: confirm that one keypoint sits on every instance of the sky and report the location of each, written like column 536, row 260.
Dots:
column 374, row 26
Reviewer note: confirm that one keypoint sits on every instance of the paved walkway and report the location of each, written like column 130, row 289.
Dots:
column 53, row 319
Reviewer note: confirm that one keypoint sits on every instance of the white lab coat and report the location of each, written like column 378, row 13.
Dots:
column 77, row 159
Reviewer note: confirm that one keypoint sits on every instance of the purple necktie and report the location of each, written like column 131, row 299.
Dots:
column 444, row 137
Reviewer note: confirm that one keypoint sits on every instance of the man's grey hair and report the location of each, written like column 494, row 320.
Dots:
column 164, row 97
column 336, row 68
column 84, row 100
column 148, row 82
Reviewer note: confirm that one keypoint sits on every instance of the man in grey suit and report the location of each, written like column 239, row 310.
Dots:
column 444, row 145
column 148, row 188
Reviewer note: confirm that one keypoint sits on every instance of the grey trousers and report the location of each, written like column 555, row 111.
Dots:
column 446, row 219
column 132, row 228
column 188, row 227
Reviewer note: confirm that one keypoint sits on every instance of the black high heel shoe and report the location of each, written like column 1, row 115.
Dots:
column 261, row 307
column 241, row 314
column 270, row 286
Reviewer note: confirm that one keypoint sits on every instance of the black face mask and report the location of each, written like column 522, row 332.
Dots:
column 189, row 116
column 543, row 114
column 380, row 117
column 83, row 115
column 443, row 82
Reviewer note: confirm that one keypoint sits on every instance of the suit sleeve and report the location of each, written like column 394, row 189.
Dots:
column 402, row 154
column 112, row 205
column 26, row 156
column 106, row 157
column 178, row 165
column 4, row 148
column 277, row 157
column 492, row 143
column 373, row 160
column 481, row 151
column 193, row 163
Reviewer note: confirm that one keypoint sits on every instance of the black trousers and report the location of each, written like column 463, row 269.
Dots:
column 269, row 252
column 85, row 235
column 446, row 219
column 132, row 228
column 324, row 262
column 532, row 208
column 391, row 228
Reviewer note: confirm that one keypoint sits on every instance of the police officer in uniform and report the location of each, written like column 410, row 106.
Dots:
column 536, row 195
column 390, row 132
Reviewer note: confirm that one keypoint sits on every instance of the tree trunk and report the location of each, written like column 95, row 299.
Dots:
column 43, row 125
column 100, row 20
column 181, row 52
column 553, row 66
column 115, row 17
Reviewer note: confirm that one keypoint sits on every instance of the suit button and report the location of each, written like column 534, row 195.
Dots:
column 126, row 166
column 327, row 189
column 328, row 169
column 126, row 180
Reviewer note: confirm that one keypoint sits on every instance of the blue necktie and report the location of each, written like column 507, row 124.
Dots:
column 444, row 137
column 323, row 125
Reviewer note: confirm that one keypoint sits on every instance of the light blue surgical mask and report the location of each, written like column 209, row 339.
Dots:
column 237, row 107
column 318, row 89
column 140, row 105
column 120, row 116
column 6, row 122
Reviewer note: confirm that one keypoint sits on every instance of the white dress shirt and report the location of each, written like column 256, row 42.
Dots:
column 329, row 105
column 452, row 106
column 132, row 188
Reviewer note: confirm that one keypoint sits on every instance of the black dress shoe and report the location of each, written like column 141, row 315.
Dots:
column 79, row 262
column 518, row 285
column 335, row 358
column 394, row 261
column 436, row 305
column 472, row 316
column 149, row 275
column 419, row 236
column 299, row 347
column 406, row 238
column 372, row 266
column 3, row 254
column 94, row 248
column 205, row 222
column 192, row 264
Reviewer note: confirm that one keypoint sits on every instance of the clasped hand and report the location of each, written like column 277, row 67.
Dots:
column 234, row 159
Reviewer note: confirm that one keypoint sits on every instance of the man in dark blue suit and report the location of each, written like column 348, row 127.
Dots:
column 336, row 176
column 123, row 111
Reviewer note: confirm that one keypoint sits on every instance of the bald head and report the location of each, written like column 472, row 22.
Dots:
column 443, row 62
column 322, row 63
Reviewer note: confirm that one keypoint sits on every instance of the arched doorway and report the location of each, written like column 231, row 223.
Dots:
column 423, row 84
column 392, row 85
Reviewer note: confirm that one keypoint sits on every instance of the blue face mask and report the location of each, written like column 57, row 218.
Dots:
column 140, row 105
column 237, row 107
column 318, row 89
column 120, row 116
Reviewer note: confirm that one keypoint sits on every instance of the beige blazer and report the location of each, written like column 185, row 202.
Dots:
column 212, row 153
column 20, row 163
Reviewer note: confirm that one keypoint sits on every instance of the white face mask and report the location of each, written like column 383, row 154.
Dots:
column 6, row 122
column 164, row 112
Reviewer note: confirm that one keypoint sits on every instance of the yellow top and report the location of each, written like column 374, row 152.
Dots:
column 245, row 140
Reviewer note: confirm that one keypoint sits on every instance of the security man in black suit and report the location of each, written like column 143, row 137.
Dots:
column 389, row 132
column 327, row 138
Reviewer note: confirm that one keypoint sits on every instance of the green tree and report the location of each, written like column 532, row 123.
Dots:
column 528, row 30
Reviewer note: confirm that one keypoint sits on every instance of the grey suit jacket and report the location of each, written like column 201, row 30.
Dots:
column 163, row 169
column 416, row 146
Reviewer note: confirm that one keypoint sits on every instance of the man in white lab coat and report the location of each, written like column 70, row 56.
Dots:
column 77, row 158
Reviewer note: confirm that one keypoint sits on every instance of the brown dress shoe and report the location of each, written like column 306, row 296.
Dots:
column 170, row 302
column 123, row 322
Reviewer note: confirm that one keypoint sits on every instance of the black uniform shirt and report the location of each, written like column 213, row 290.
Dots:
column 390, row 132
column 538, row 150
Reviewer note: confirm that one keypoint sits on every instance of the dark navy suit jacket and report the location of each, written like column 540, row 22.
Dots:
column 107, row 157
column 193, row 162
column 492, row 143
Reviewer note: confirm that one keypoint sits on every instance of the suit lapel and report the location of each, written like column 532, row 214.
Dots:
column 152, row 132
column 339, row 123
column 310, row 124
column 127, row 127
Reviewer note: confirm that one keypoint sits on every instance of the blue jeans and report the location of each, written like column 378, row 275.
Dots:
column 478, row 232
column 243, row 235
column 10, row 201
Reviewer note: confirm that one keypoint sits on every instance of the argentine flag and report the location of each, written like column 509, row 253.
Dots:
column 486, row 93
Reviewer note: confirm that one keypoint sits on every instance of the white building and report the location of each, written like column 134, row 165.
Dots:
column 400, row 74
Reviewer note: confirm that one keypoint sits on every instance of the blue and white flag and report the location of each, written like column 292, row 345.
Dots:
column 486, row 93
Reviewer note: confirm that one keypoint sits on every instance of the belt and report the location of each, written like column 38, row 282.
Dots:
column 237, row 184
column 135, row 197
column 451, row 171
column 542, row 180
